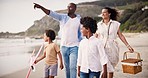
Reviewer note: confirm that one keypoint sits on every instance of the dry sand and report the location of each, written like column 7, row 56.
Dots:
column 139, row 41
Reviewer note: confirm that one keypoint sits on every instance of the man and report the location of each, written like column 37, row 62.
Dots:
column 70, row 36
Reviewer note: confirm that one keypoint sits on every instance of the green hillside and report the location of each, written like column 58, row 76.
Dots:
column 37, row 29
column 132, row 18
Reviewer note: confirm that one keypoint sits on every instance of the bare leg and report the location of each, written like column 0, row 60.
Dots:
column 110, row 75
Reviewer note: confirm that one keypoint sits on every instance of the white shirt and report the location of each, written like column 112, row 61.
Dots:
column 103, row 29
column 69, row 29
column 69, row 32
column 91, row 55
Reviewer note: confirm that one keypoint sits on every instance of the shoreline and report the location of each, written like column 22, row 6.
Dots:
column 137, row 40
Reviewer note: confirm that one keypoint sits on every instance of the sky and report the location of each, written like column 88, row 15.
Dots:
column 18, row 15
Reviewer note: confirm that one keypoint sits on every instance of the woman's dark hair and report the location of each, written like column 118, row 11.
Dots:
column 114, row 14
column 50, row 33
column 89, row 23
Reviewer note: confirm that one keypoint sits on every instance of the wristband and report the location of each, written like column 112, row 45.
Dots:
column 128, row 46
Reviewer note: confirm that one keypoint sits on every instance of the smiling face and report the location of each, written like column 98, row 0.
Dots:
column 71, row 8
column 105, row 14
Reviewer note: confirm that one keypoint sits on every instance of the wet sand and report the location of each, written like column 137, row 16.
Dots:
column 139, row 41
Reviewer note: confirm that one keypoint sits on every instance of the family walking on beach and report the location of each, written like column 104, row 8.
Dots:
column 88, row 49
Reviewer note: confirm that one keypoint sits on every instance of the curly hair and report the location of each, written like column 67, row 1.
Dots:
column 114, row 14
column 50, row 33
column 89, row 23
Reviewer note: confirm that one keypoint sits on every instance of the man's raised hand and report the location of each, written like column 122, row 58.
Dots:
column 36, row 5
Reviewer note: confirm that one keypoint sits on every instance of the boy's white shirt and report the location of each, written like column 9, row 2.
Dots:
column 91, row 55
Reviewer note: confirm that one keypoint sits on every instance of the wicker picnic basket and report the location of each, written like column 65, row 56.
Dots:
column 131, row 65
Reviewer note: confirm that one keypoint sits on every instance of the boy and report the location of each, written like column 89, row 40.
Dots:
column 51, row 50
column 91, row 54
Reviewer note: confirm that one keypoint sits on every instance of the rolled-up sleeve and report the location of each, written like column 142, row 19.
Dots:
column 56, row 16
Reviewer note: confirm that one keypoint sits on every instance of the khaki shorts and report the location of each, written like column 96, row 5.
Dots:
column 51, row 70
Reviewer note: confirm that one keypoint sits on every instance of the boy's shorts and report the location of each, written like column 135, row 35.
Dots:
column 51, row 70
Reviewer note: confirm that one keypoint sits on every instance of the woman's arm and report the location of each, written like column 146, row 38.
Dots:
column 122, row 38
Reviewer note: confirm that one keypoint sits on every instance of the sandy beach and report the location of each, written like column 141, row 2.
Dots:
column 139, row 41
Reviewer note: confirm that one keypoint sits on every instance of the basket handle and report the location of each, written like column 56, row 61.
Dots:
column 125, row 55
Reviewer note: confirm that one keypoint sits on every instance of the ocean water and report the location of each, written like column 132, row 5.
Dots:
column 15, row 54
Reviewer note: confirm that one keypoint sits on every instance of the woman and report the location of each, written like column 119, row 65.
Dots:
column 108, row 30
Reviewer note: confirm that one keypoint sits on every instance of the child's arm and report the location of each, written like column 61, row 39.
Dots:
column 41, row 57
column 103, row 59
column 79, row 70
column 61, row 62
column 104, row 75
column 79, row 60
